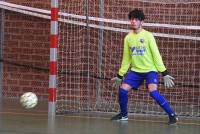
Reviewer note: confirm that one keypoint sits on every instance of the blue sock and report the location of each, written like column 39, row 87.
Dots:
column 123, row 101
column 162, row 102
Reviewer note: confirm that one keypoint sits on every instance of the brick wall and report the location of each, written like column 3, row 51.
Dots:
column 43, row 4
column 26, row 52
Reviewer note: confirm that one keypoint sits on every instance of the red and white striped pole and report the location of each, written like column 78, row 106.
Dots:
column 53, row 58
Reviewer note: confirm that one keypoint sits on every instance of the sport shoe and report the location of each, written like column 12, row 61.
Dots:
column 173, row 120
column 119, row 117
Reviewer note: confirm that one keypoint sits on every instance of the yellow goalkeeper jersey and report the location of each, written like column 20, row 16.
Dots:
column 141, row 53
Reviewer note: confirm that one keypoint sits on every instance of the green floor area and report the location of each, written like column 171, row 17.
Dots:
column 16, row 120
column 40, row 124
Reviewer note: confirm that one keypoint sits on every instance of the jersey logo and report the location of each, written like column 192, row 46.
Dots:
column 138, row 50
column 142, row 41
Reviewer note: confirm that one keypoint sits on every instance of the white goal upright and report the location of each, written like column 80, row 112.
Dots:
column 90, row 47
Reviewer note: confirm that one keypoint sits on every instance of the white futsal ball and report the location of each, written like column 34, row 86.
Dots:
column 29, row 100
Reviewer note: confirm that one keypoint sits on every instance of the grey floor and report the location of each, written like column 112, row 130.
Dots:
column 16, row 120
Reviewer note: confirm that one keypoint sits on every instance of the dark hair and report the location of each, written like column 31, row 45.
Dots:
column 137, row 14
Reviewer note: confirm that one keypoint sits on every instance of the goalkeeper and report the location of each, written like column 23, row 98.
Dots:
column 142, row 57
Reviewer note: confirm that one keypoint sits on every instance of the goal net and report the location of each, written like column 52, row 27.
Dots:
column 91, row 37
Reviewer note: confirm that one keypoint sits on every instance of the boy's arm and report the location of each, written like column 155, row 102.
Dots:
column 156, row 55
column 124, row 65
column 126, row 59
column 168, row 80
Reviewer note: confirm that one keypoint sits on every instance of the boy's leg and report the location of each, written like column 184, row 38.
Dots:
column 165, row 106
column 162, row 102
column 152, row 79
column 132, row 80
column 123, row 102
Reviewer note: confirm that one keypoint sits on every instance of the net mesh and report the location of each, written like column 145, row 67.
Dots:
column 90, row 51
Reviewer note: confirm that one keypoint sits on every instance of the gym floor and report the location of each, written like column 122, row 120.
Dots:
column 16, row 120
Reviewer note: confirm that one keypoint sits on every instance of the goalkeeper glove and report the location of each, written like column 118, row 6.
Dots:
column 117, row 81
column 168, row 80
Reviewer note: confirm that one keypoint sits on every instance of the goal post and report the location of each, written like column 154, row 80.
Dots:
column 53, row 59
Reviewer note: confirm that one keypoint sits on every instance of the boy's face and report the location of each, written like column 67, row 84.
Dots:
column 136, row 24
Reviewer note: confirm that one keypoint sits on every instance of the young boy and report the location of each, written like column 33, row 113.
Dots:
column 142, row 57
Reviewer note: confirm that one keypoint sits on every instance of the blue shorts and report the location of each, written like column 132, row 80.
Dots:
column 135, row 79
